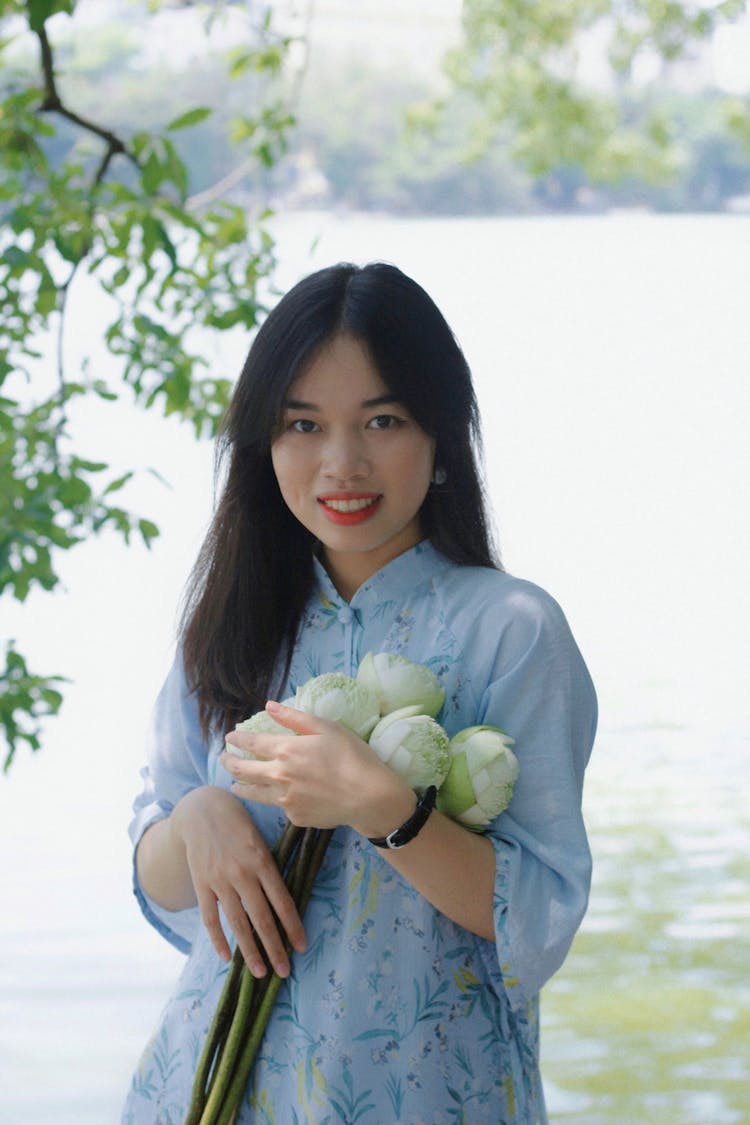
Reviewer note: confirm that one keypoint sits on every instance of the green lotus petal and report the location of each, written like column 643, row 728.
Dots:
column 413, row 745
column 340, row 699
column 398, row 682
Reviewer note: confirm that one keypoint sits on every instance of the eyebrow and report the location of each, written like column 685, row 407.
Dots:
column 298, row 404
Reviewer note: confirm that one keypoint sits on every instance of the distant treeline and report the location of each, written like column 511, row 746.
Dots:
column 353, row 146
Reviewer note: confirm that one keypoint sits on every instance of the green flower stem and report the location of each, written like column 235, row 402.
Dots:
column 305, row 870
column 318, row 855
column 236, row 1088
column 301, row 865
column 215, row 1039
column 286, row 844
column 211, row 1059
column 231, row 1049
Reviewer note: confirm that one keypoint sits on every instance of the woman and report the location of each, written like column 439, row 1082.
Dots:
column 352, row 520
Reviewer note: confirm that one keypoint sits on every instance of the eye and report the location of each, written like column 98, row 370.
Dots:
column 303, row 426
column 384, row 422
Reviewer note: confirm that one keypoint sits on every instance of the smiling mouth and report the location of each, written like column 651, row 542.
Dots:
column 358, row 504
column 347, row 511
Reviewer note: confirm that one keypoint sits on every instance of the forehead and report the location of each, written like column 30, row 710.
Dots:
column 342, row 372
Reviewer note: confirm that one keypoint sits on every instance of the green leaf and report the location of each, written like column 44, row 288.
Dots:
column 88, row 466
column 148, row 530
column 151, row 174
column 192, row 117
column 100, row 388
column 116, row 485
column 39, row 11
column 15, row 257
column 240, row 63
column 46, row 300
column 26, row 698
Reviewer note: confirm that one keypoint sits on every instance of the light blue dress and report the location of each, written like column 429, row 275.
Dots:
column 396, row 1014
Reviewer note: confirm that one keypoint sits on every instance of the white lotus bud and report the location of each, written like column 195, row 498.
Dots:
column 399, row 682
column 483, row 771
column 341, row 699
column 414, row 746
column 259, row 723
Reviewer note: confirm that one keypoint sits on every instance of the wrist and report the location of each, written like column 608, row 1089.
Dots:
column 191, row 806
column 387, row 806
column 413, row 824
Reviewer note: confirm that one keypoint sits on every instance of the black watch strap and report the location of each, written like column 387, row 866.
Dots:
column 409, row 829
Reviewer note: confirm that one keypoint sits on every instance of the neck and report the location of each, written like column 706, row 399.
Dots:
column 349, row 571
column 346, row 575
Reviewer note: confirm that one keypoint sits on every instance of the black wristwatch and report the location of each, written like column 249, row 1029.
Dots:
column 409, row 829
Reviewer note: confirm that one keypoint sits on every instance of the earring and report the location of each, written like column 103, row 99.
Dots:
column 439, row 476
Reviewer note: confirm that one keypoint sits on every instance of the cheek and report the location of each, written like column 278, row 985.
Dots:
column 285, row 478
column 286, row 465
column 416, row 462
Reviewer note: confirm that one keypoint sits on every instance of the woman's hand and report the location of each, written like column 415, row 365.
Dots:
column 230, row 863
column 322, row 775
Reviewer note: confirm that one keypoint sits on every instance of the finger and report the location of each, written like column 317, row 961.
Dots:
column 266, row 932
column 243, row 931
column 262, row 910
column 268, row 928
column 247, row 770
column 272, row 909
column 288, row 915
column 247, row 745
column 208, row 906
column 298, row 721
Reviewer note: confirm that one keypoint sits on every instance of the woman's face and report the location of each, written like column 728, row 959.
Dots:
column 352, row 464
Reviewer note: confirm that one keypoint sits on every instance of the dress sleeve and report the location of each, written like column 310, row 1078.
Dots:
column 542, row 695
column 176, row 763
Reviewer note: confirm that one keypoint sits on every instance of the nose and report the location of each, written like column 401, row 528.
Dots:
column 344, row 457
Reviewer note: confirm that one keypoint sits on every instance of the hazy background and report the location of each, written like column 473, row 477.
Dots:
column 611, row 357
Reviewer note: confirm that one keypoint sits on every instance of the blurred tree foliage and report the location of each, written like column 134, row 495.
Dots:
column 362, row 128
column 82, row 194
column 520, row 61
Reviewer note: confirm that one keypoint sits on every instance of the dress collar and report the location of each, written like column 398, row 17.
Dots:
column 400, row 576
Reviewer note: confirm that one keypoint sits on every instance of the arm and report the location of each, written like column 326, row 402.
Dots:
column 453, row 868
column 540, row 691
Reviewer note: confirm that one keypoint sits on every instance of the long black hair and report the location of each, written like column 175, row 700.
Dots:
column 254, row 573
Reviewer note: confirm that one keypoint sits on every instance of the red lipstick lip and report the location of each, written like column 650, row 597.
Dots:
column 349, row 519
column 324, row 496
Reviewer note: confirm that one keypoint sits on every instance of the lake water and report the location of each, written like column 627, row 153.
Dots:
column 612, row 360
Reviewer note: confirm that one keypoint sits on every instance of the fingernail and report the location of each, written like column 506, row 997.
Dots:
column 257, row 968
column 272, row 705
column 281, row 969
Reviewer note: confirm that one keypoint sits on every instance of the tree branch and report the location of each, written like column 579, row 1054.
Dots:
column 52, row 103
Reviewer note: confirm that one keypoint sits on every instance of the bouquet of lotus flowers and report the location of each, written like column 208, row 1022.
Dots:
column 391, row 704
